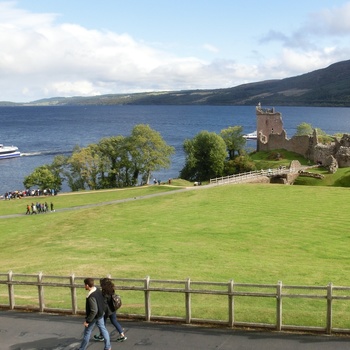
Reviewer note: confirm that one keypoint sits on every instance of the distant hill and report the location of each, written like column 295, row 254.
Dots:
column 324, row 87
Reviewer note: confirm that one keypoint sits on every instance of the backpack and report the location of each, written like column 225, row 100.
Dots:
column 117, row 301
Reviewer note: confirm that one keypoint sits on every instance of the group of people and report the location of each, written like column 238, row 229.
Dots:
column 99, row 307
column 29, row 193
column 37, row 208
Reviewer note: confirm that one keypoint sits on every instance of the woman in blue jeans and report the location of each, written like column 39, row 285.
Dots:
column 108, row 289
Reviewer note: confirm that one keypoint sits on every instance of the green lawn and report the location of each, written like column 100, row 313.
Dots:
column 248, row 233
column 251, row 233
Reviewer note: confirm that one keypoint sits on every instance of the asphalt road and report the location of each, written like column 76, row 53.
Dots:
column 29, row 331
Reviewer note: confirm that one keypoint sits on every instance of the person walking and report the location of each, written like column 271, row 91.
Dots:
column 94, row 307
column 108, row 289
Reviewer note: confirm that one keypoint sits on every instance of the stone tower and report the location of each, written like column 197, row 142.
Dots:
column 267, row 122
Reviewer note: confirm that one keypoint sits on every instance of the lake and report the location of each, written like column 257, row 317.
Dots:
column 41, row 133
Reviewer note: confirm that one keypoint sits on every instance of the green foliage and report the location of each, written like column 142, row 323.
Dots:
column 205, row 157
column 338, row 135
column 85, row 163
column 323, row 138
column 234, row 140
column 43, row 177
column 149, row 152
column 240, row 164
column 117, row 168
column 304, row 129
column 307, row 129
column 114, row 162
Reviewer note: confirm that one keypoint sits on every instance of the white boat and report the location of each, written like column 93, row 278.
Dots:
column 9, row 152
column 251, row 136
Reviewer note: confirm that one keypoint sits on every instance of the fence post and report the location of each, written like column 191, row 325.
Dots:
column 147, row 299
column 329, row 307
column 279, row 306
column 188, row 300
column 41, row 292
column 11, row 290
column 73, row 293
column 231, row 305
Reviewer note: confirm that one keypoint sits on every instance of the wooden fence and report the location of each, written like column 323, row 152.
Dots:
column 228, row 296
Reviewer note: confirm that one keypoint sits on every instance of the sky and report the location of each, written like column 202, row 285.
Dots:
column 51, row 48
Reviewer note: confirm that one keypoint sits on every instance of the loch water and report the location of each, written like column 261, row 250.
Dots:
column 41, row 133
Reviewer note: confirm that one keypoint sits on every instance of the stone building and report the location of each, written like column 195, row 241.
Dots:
column 271, row 136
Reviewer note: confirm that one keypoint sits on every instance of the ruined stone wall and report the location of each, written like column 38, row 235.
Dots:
column 322, row 153
column 272, row 136
column 297, row 144
column 343, row 157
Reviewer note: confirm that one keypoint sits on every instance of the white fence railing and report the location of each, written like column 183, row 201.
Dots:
column 251, row 175
column 228, row 295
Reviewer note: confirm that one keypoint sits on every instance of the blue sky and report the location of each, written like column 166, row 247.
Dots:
column 73, row 47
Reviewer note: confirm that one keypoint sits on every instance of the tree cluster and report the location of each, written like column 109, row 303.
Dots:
column 120, row 161
column 116, row 161
column 210, row 155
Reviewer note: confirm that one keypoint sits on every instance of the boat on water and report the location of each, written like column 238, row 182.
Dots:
column 9, row 152
column 252, row 136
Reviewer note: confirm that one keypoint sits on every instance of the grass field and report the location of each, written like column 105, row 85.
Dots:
column 251, row 233
column 248, row 233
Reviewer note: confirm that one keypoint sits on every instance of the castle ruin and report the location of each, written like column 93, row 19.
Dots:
column 272, row 136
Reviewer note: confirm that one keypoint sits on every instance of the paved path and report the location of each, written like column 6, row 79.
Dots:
column 29, row 331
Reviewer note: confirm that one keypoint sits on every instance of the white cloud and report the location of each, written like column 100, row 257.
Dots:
column 210, row 48
column 41, row 58
column 333, row 21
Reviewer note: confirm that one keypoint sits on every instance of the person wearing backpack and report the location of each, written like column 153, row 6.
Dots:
column 95, row 309
column 108, row 291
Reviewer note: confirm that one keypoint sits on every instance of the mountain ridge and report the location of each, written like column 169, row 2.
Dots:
column 328, row 86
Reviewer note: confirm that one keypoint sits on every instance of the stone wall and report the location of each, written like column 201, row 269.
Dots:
column 297, row 144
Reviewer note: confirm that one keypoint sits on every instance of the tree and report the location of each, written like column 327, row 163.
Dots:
column 148, row 151
column 44, row 178
column 304, row 129
column 307, row 129
column 85, row 166
column 235, row 142
column 118, row 167
column 58, row 167
column 244, row 164
column 205, row 157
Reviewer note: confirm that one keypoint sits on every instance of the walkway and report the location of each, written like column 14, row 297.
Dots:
column 130, row 199
column 29, row 331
